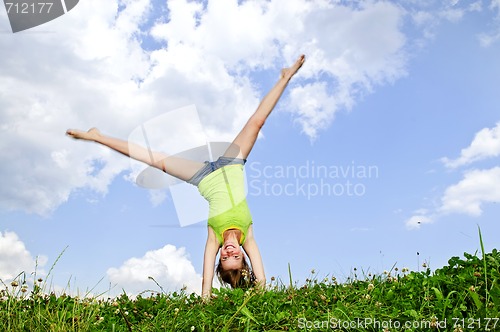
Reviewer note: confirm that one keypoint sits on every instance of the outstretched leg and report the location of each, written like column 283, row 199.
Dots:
column 180, row 168
column 248, row 135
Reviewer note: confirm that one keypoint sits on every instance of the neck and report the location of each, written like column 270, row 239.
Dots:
column 232, row 234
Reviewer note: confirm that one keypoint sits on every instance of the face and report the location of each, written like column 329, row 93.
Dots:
column 231, row 256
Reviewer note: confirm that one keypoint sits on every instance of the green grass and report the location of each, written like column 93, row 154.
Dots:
column 462, row 296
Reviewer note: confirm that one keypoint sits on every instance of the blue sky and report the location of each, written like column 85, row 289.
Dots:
column 408, row 90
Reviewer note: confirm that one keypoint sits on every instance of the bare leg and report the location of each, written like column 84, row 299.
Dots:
column 181, row 168
column 248, row 135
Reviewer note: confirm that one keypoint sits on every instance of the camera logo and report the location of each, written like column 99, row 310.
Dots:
column 26, row 14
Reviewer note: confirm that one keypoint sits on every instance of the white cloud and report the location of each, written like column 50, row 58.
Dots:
column 486, row 144
column 476, row 188
column 314, row 107
column 486, row 39
column 91, row 70
column 60, row 79
column 453, row 15
column 15, row 258
column 428, row 17
column 495, row 4
column 170, row 267
column 357, row 47
column 476, row 6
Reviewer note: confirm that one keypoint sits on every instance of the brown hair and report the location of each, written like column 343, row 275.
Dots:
column 236, row 278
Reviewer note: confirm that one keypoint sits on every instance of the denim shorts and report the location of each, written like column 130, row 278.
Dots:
column 211, row 166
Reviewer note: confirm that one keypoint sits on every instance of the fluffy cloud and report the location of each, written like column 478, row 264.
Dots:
column 117, row 64
column 315, row 108
column 169, row 267
column 57, row 80
column 357, row 47
column 477, row 186
column 486, row 144
column 92, row 69
column 15, row 258
column 467, row 196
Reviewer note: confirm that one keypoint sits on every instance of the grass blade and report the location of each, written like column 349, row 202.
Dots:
column 485, row 272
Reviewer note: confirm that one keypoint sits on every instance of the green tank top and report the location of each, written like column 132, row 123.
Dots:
column 224, row 189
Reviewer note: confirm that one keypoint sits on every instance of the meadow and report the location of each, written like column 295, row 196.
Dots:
column 461, row 296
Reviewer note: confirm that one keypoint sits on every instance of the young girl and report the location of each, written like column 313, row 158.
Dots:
column 221, row 184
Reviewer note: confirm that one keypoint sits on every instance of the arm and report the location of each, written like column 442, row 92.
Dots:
column 211, row 249
column 253, row 253
column 132, row 150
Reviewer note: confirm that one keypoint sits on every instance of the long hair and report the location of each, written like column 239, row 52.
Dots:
column 237, row 278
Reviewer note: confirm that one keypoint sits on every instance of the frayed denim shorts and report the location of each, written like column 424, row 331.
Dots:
column 212, row 166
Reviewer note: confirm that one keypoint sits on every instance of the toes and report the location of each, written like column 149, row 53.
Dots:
column 300, row 61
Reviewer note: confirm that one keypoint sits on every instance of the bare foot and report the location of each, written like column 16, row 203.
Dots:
column 287, row 73
column 90, row 135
